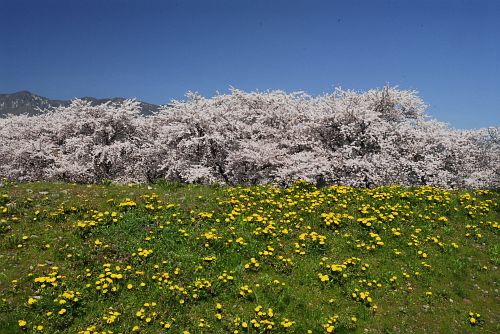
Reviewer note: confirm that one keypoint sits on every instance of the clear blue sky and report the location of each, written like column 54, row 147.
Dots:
column 158, row 50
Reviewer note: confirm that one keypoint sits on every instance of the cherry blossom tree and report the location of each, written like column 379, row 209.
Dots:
column 372, row 138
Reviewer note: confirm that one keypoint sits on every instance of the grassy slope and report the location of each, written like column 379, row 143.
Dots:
column 193, row 234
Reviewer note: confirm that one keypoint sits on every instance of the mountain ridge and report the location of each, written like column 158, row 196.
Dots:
column 26, row 102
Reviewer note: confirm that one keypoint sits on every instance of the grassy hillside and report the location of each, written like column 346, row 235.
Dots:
column 199, row 259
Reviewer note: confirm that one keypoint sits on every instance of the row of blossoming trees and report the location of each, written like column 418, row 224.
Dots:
column 378, row 137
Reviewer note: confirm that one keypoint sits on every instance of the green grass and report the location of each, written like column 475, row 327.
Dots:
column 418, row 260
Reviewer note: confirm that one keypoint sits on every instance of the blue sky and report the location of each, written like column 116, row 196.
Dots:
column 157, row 50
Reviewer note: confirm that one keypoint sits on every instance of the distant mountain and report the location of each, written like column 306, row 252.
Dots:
column 28, row 103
